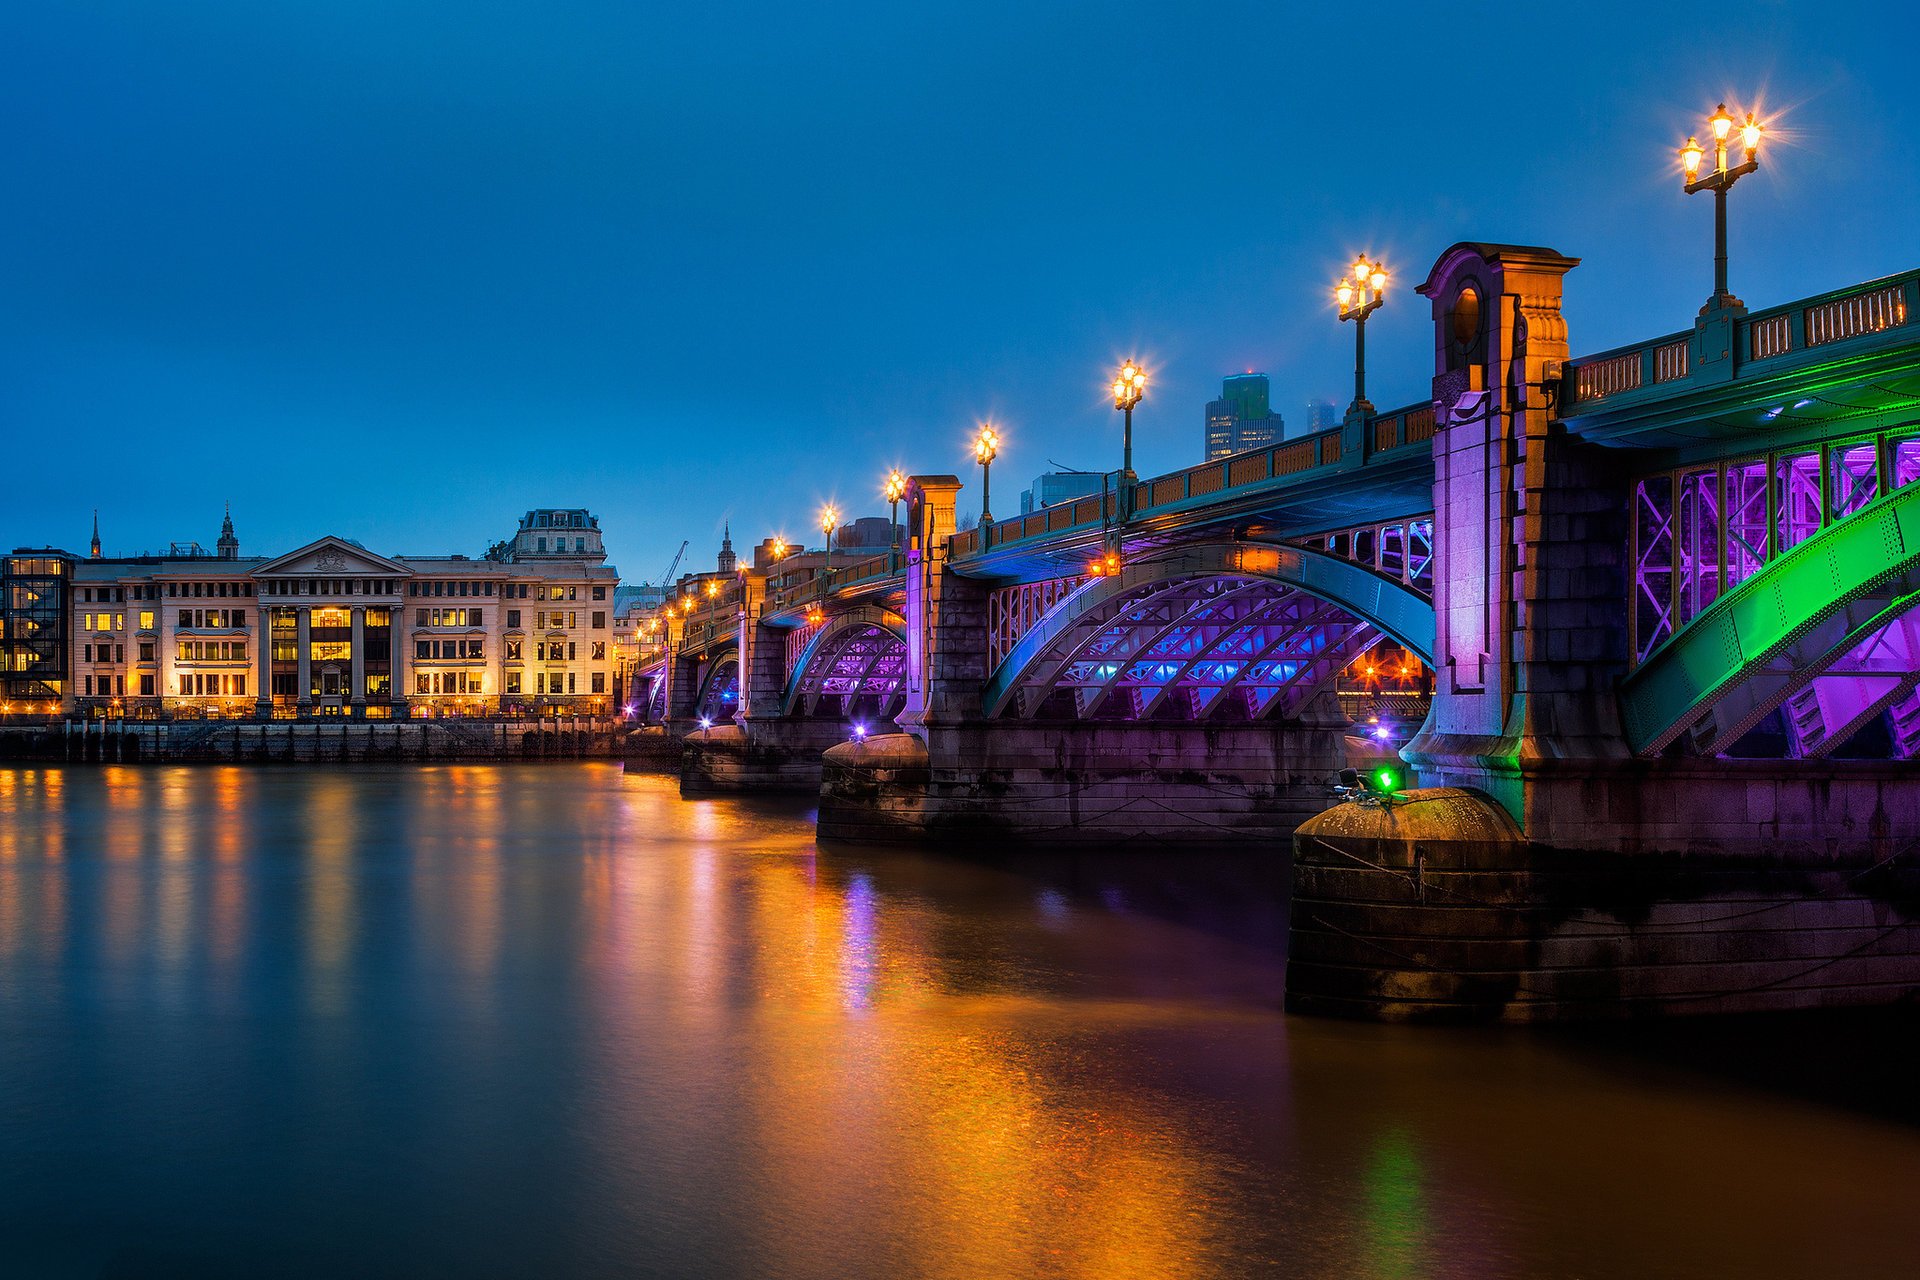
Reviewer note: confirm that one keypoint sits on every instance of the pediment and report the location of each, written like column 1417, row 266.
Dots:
column 332, row 556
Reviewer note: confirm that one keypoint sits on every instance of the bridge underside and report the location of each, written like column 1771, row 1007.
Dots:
column 1222, row 649
column 854, row 672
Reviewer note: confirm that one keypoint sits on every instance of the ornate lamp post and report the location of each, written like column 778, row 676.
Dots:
column 986, row 447
column 1128, row 387
column 1359, row 296
column 896, row 489
column 1721, row 181
column 829, row 521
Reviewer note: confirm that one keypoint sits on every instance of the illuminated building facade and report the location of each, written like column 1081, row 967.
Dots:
column 335, row 630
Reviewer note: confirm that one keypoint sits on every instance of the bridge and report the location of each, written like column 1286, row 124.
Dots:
column 1662, row 599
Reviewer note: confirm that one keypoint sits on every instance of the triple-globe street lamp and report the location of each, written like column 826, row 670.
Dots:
column 986, row 447
column 1360, row 295
column 896, row 489
column 1128, row 387
column 1720, row 181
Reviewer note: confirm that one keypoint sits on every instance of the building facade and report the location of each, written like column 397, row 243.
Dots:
column 335, row 630
column 1242, row 418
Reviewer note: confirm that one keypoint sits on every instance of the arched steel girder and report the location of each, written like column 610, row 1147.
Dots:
column 1760, row 642
column 721, row 670
column 828, row 643
column 1149, row 591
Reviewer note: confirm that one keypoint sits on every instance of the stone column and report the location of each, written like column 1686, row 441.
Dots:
column 763, row 654
column 359, row 692
column 303, row 695
column 1529, row 598
column 683, row 686
column 946, row 615
column 263, row 661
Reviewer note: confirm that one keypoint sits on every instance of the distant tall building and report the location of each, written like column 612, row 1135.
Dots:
column 1322, row 415
column 1059, row 486
column 1242, row 418
column 727, row 560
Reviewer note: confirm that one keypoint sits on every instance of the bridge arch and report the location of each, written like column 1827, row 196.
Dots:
column 1831, row 628
column 1266, row 623
column 718, row 681
column 857, row 659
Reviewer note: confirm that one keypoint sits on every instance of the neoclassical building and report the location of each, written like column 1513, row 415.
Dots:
column 335, row 630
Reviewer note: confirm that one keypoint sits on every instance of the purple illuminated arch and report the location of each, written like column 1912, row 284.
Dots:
column 1231, row 632
column 855, row 666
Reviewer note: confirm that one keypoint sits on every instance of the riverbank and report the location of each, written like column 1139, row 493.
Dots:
column 311, row 741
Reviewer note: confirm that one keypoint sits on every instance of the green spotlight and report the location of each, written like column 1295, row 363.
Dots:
column 1385, row 780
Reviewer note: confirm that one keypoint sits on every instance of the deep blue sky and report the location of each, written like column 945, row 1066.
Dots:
column 401, row 271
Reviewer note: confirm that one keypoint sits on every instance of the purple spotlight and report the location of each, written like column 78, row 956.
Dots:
column 1381, row 733
column 859, row 733
column 705, row 723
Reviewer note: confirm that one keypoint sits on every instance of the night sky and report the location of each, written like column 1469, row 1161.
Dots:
column 401, row 271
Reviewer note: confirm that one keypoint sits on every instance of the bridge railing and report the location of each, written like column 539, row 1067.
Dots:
column 840, row 578
column 1834, row 321
column 1321, row 451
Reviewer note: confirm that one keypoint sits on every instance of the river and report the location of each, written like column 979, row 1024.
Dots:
column 553, row 1020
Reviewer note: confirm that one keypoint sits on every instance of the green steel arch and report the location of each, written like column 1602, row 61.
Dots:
column 1741, row 657
column 1391, row 606
column 866, row 615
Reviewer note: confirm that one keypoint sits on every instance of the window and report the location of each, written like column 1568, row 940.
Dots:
column 599, row 619
column 513, row 617
column 599, row 682
column 146, row 651
column 422, row 618
column 513, row 651
column 423, row 648
column 542, row 544
column 569, row 651
column 540, row 683
column 146, row 619
column 599, row 653
column 599, row 593
column 513, row 682
column 146, row 686
column 569, row 682
column 86, row 653
column 423, row 683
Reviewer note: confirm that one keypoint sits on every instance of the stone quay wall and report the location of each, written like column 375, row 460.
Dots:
column 303, row 742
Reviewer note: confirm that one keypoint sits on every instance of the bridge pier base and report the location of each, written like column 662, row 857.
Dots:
column 757, row 755
column 1685, row 895
column 1170, row 785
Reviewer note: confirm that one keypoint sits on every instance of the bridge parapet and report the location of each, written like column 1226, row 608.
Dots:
column 1303, row 462
column 1797, row 339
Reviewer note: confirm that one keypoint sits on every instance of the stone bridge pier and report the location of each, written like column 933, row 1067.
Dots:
column 969, row 769
column 1569, row 861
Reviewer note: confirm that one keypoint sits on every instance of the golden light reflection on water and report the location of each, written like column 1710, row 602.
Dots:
column 882, row 1102
column 330, row 827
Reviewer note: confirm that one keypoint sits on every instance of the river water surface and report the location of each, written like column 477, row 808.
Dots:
column 556, row 1021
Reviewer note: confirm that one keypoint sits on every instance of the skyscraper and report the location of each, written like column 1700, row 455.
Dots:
column 1322, row 415
column 1241, row 418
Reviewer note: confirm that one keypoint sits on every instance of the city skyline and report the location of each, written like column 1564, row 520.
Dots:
column 561, row 258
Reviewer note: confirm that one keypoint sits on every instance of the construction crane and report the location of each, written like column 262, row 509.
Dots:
column 666, row 579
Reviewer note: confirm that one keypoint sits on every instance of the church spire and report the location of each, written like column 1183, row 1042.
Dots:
column 93, row 552
column 229, row 545
column 727, row 559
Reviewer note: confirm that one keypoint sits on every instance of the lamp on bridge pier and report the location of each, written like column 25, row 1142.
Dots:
column 779, row 547
column 896, row 489
column 986, row 447
column 1360, row 295
column 829, row 521
column 1720, row 181
column 1128, row 387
